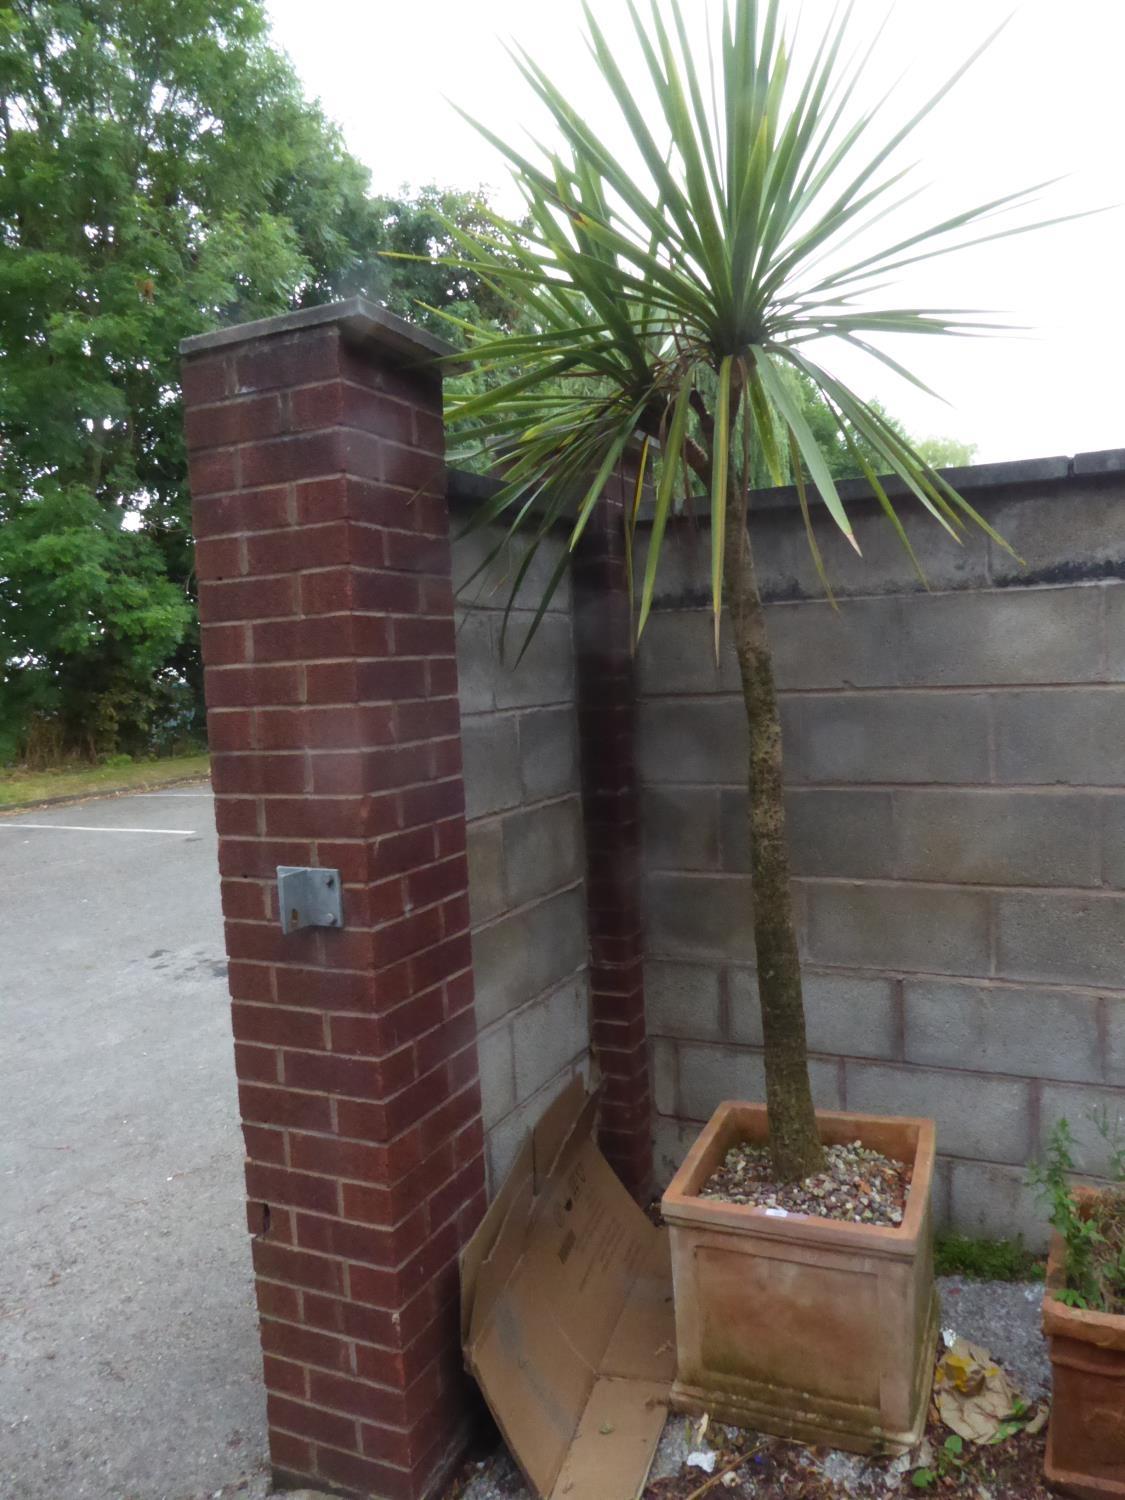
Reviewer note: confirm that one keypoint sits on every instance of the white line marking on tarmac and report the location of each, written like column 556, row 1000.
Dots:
column 94, row 828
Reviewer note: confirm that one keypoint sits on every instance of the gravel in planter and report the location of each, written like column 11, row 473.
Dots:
column 857, row 1185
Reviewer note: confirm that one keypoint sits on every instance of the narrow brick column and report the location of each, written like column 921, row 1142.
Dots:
column 606, row 706
column 327, row 615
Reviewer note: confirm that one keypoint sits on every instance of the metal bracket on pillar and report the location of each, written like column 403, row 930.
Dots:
column 308, row 897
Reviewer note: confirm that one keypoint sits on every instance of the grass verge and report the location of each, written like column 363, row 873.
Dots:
column 27, row 788
column 986, row 1260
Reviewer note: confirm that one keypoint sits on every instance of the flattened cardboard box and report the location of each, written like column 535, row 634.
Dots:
column 566, row 1314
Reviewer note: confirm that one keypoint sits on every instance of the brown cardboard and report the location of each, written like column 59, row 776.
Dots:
column 566, row 1314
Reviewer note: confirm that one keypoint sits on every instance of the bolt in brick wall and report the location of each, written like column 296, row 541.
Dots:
column 606, row 709
column 323, row 559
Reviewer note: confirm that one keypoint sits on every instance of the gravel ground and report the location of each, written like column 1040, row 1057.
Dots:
column 1003, row 1316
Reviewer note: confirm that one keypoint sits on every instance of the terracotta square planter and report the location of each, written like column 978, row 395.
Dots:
column 1086, row 1438
column 808, row 1328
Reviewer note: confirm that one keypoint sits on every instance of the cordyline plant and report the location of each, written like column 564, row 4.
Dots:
column 667, row 300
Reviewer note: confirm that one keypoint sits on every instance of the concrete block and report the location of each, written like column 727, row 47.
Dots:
column 676, row 654
column 886, row 737
column 671, row 1142
column 476, row 662
column 548, row 739
column 1115, row 1039
column 1009, row 636
column 543, row 849
column 683, row 1000
column 697, row 740
column 497, row 1073
column 526, row 952
column 932, row 930
column 491, row 759
column 1060, row 534
column 681, row 828
column 662, row 1057
column 840, row 833
column 786, row 570
column 1068, row 735
column 505, row 1139
column 997, row 837
column 994, row 1029
column 1114, row 594
column 699, row 916
column 550, row 1033
column 995, row 1203
column 1112, row 812
column 1083, row 1109
column 734, row 830
column 546, row 672
column 492, row 587
column 1051, row 936
column 845, row 1015
column 976, row 1115
column 487, row 898
column 708, row 1075
column 853, row 646
column 683, row 574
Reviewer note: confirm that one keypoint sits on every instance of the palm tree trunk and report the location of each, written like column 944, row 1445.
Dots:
column 794, row 1142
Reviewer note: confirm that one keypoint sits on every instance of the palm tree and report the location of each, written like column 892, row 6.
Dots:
column 672, row 300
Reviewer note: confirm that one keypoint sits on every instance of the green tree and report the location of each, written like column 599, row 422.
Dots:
column 674, row 305
column 160, row 174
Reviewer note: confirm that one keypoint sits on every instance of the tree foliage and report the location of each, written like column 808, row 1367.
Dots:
column 160, row 174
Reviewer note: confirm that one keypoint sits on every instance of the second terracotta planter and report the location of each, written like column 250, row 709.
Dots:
column 809, row 1328
column 1086, row 1438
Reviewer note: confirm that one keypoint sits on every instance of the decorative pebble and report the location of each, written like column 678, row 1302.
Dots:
column 858, row 1184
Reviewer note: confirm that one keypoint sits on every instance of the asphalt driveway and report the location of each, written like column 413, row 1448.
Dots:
column 129, row 1365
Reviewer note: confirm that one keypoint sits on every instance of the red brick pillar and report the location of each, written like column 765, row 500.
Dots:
column 326, row 606
column 606, row 705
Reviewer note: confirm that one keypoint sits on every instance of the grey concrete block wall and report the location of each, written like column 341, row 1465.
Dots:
column 525, row 839
column 956, row 765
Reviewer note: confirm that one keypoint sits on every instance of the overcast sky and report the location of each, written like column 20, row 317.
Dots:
column 1045, row 101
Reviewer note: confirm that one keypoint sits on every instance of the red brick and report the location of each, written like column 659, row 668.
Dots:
column 292, row 1189
column 352, row 1077
column 246, row 511
column 322, row 989
column 365, row 1475
column 255, row 1064
column 278, row 1027
column 298, row 1267
column 225, row 645
column 388, row 592
column 214, row 472
column 310, row 1421
column 205, row 378
column 236, row 817
column 440, row 961
column 257, row 859
column 230, row 728
column 299, row 358
column 263, row 1144
column 330, row 817
column 446, row 1039
column 322, row 500
column 245, row 599
column 366, row 1244
column 239, row 687
column 357, row 1397
column 291, row 1455
column 418, row 636
column 282, row 1376
column 257, row 774
column 307, row 1346
column 244, row 900
column 431, row 801
column 278, row 1301
column 284, row 1107
column 219, row 558
column 228, row 422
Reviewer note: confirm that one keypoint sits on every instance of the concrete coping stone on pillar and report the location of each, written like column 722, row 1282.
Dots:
column 363, row 324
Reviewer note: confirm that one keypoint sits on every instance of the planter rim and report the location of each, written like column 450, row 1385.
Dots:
column 682, row 1206
column 1106, row 1330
